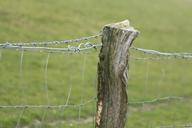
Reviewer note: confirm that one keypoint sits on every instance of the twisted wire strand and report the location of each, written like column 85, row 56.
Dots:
column 165, row 54
column 157, row 100
column 87, row 46
column 42, row 46
column 46, row 106
column 153, row 58
column 45, row 43
column 132, row 103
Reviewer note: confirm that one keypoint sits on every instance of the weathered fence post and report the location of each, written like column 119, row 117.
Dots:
column 112, row 75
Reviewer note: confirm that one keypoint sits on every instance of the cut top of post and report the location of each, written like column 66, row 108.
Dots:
column 124, row 25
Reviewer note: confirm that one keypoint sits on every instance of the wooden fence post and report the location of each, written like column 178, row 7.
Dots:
column 112, row 75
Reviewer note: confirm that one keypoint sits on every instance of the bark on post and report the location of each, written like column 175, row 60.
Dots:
column 112, row 75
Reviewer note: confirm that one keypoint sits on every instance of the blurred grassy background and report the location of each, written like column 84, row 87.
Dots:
column 164, row 25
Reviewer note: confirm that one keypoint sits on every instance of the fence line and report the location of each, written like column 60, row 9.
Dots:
column 88, row 46
column 152, row 58
column 165, row 54
column 43, row 46
column 45, row 43
column 47, row 106
column 157, row 100
column 132, row 103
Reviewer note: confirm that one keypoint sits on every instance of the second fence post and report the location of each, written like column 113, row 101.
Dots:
column 112, row 99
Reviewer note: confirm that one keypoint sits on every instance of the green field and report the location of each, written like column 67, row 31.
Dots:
column 165, row 25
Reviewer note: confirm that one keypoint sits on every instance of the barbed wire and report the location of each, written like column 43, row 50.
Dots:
column 42, row 46
column 79, row 48
column 46, row 106
column 157, row 100
column 88, row 46
column 132, row 103
column 149, row 58
column 165, row 54
column 45, row 43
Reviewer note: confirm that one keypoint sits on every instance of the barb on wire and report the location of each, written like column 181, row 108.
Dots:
column 46, row 106
column 157, row 100
column 133, row 103
column 165, row 54
column 4, row 45
column 150, row 58
column 86, row 46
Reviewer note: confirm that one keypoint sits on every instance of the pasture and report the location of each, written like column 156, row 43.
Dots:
column 163, row 25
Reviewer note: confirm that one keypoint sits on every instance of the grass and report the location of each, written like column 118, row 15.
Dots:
column 164, row 25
